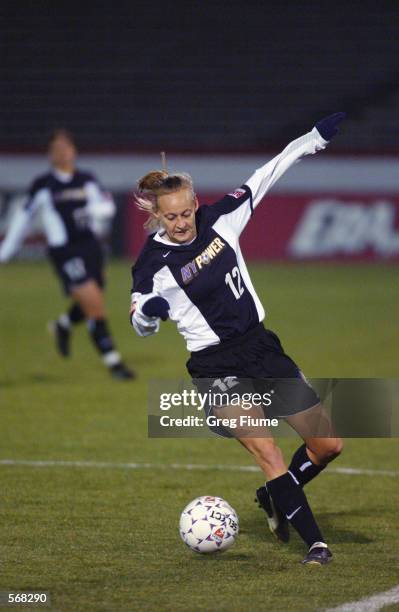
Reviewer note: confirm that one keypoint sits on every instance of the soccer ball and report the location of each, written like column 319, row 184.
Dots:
column 208, row 524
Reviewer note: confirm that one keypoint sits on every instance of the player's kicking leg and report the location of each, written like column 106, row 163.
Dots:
column 272, row 464
column 321, row 446
column 288, row 496
column 283, row 487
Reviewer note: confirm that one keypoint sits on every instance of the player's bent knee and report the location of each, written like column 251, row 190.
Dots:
column 330, row 449
column 337, row 447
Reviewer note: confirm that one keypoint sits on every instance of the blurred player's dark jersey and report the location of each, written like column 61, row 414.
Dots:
column 63, row 203
column 71, row 206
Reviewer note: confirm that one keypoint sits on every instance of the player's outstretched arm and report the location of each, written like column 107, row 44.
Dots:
column 20, row 221
column 308, row 144
column 236, row 208
column 146, row 312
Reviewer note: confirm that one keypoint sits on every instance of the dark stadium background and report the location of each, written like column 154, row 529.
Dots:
column 226, row 82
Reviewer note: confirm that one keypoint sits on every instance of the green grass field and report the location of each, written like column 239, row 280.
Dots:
column 106, row 538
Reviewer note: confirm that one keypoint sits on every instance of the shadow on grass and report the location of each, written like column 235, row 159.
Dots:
column 227, row 556
column 329, row 523
column 32, row 378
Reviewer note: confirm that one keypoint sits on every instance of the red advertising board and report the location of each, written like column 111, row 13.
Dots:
column 308, row 227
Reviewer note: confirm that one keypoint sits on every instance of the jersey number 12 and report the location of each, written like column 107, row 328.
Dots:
column 239, row 289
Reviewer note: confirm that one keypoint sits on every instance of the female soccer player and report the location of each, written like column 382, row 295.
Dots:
column 192, row 271
column 72, row 205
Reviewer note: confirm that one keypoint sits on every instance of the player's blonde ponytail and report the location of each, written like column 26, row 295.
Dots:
column 155, row 184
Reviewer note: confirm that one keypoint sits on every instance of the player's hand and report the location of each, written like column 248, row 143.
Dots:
column 327, row 127
column 156, row 307
column 131, row 312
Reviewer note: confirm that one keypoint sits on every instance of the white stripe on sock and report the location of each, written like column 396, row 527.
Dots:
column 111, row 358
column 293, row 477
column 64, row 321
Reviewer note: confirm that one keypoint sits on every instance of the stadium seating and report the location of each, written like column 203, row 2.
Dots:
column 135, row 78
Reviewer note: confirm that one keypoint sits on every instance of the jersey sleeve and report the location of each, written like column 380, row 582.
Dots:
column 143, row 289
column 237, row 207
column 143, row 278
column 20, row 222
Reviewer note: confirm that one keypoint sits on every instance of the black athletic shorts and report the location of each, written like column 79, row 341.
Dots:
column 254, row 363
column 78, row 262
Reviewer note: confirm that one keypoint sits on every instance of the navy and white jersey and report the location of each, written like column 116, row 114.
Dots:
column 68, row 204
column 206, row 282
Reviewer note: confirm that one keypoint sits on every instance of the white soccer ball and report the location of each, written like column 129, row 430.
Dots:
column 208, row 524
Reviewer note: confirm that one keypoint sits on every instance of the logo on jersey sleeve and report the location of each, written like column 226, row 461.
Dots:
column 194, row 267
column 237, row 193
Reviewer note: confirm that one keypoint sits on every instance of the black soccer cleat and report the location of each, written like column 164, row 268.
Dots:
column 277, row 521
column 319, row 554
column 122, row 372
column 62, row 337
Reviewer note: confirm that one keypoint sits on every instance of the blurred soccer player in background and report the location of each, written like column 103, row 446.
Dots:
column 74, row 211
column 193, row 272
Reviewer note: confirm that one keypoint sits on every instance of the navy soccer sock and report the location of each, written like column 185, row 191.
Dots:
column 74, row 316
column 287, row 493
column 103, row 341
column 302, row 467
